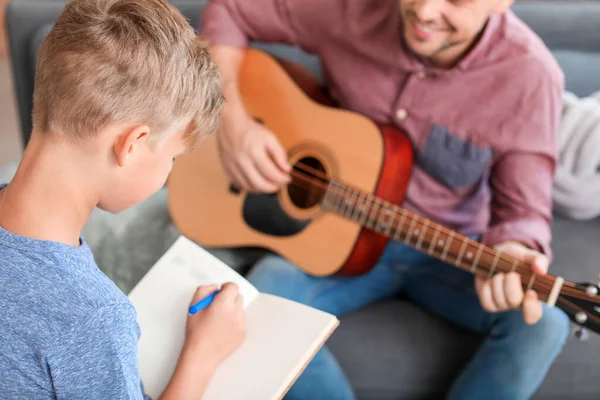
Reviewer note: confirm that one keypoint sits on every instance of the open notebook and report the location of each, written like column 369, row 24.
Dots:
column 282, row 335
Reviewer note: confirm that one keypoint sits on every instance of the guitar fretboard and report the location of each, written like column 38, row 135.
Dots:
column 421, row 233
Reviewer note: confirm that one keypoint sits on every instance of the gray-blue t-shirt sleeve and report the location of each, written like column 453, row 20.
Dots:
column 97, row 359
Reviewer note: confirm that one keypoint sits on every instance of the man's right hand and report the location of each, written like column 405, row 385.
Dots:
column 252, row 156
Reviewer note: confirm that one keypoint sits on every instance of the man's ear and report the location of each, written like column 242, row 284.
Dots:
column 502, row 6
column 129, row 141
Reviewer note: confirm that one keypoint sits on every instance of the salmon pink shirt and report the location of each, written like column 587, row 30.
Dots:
column 485, row 131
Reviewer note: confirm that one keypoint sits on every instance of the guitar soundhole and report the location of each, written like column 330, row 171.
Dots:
column 309, row 183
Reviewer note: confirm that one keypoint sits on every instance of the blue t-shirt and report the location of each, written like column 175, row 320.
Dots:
column 66, row 330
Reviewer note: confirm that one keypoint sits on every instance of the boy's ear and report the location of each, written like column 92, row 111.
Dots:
column 129, row 141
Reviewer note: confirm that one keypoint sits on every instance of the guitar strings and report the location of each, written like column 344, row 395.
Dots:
column 309, row 180
column 544, row 280
column 326, row 180
column 573, row 291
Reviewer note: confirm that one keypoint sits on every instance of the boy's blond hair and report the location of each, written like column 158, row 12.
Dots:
column 120, row 61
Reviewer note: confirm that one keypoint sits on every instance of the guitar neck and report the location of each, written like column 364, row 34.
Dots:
column 425, row 235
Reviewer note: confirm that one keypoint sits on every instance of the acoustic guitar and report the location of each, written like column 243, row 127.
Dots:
column 343, row 203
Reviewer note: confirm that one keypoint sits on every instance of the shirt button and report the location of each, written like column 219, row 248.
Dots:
column 421, row 74
column 401, row 113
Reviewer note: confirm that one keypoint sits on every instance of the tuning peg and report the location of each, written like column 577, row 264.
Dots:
column 580, row 317
column 581, row 334
column 591, row 290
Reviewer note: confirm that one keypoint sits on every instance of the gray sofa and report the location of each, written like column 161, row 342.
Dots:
column 390, row 350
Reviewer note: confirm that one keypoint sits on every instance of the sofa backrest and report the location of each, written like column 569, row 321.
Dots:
column 569, row 28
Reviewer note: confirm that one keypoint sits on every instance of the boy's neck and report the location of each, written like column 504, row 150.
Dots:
column 52, row 193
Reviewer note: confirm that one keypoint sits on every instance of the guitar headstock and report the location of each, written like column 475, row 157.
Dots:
column 581, row 302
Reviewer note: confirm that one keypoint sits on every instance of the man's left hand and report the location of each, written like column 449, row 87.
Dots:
column 503, row 291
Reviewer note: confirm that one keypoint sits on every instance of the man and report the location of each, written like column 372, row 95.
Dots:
column 479, row 95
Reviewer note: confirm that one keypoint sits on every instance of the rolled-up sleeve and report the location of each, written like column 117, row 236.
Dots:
column 238, row 22
column 522, row 205
column 522, row 178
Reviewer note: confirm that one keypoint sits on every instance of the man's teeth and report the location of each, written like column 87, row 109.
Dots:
column 424, row 28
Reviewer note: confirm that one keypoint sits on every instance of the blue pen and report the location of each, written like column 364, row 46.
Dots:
column 202, row 304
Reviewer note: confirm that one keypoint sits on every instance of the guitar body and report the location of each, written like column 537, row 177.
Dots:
column 342, row 145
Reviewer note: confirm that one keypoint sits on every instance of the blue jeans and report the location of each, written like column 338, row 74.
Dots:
column 510, row 364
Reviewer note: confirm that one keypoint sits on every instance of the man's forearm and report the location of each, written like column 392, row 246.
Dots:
column 229, row 60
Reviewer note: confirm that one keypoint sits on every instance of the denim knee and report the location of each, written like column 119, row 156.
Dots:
column 275, row 275
column 553, row 328
column 544, row 339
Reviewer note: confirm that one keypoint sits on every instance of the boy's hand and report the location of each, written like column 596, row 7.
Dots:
column 211, row 335
column 215, row 332
column 504, row 291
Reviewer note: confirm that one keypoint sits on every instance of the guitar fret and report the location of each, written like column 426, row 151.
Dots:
column 364, row 210
column 400, row 225
column 329, row 197
column 494, row 264
column 339, row 203
column 446, row 248
column 514, row 265
column 391, row 217
column 347, row 202
column 354, row 203
column 407, row 240
column 461, row 252
column 435, row 236
column 378, row 215
column 474, row 266
column 422, row 235
column 372, row 212
column 343, row 200
column 384, row 215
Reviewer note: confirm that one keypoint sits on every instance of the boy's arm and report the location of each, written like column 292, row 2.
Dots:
column 211, row 335
column 98, row 359
column 190, row 378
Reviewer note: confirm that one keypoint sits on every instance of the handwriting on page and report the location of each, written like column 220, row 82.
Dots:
column 194, row 270
column 205, row 269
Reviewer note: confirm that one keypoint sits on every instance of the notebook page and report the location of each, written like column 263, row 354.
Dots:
column 282, row 337
column 162, row 299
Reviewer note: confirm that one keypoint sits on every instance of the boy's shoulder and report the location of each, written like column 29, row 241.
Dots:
column 59, row 306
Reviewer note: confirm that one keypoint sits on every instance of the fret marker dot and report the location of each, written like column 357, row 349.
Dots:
column 440, row 242
column 416, row 231
column 469, row 255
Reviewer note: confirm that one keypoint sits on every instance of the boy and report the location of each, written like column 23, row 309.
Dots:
column 122, row 88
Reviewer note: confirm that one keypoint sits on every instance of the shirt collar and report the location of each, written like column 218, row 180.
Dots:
column 480, row 52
